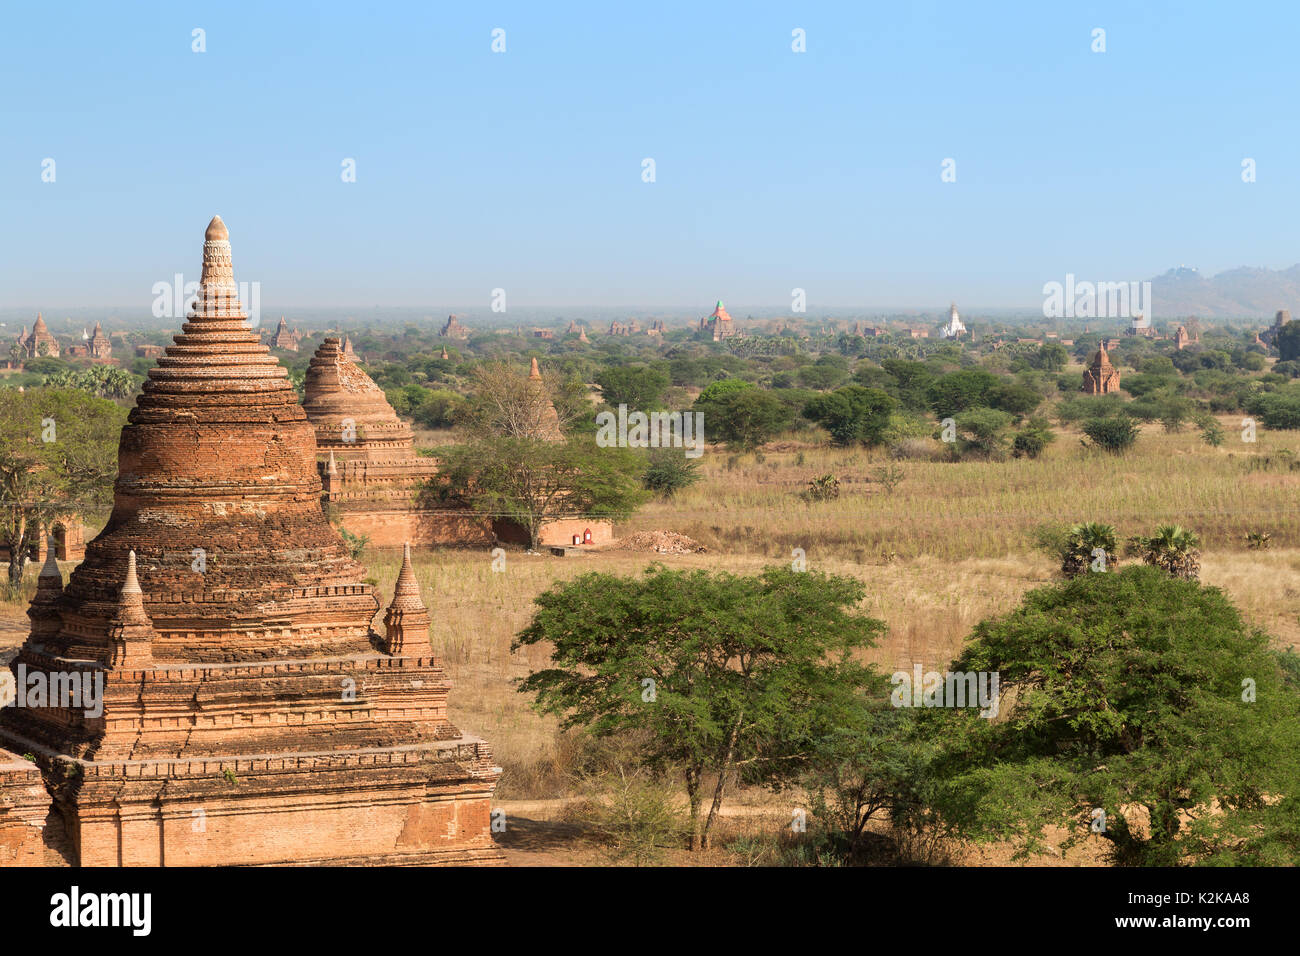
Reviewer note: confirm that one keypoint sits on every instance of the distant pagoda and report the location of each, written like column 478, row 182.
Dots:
column 39, row 343
column 101, row 349
column 284, row 338
column 719, row 323
column 453, row 329
column 1100, row 377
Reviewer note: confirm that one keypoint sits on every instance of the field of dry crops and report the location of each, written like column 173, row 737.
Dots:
column 950, row 546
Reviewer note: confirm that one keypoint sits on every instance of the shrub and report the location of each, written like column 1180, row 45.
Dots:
column 917, row 449
column 1278, row 409
column 1111, row 434
column 1212, row 433
column 1078, row 547
column 1172, row 548
column 823, row 488
column 890, row 476
column 1032, row 439
column 669, row 471
column 981, row 432
column 1084, row 407
column 634, row 814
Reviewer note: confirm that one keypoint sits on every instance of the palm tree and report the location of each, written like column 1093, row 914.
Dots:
column 1082, row 542
column 1173, row 548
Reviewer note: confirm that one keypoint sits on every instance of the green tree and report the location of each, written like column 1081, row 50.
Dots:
column 982, row 432
column 639, row 387
column 1112, row 434
column 438, row 409
column 532, row 482
column 852, row 414
column 1288, row 342
column 1031, row 440
column 1279, row 408
column 912, row 381
column 875, row 761
column 669, row 471
column 1142, row 696
column 724, row 673
column 1019, row 400
column 744, row 418
column 961, row 390
column 721, row 388
column 827, row 372
column 105, row 381
column 1050, row 357
column 58, row 457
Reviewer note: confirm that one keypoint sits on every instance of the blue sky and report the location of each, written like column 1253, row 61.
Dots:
column 522, row 170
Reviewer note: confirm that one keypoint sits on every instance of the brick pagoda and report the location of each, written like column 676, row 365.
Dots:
column 1100, row 377
column 453, row 329
column 100, row 348
column 370, row 473
column 251, row 714
column 719, row 323
column 284, row 338
column 40, row 342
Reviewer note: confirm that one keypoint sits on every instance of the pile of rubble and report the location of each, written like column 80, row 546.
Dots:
column 661, row 542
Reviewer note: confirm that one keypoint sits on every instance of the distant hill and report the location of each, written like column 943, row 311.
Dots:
column 1236, row 293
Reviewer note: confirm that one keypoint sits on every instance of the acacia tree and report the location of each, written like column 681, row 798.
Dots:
column 640, row 388
column 533, row 482
column 58, row 456
column 519, row 465
column 745, row 418
column 1135, row 705
column 875, row 761
column 505, row 401
column 852, row 414
column 720, row 672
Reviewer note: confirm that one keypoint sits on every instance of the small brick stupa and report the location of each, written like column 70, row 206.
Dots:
column 1100, row 377
column 250, row 714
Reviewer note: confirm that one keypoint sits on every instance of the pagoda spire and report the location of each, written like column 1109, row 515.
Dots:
column 50, row 569
column 535, row 373
column 45, row 619
column 406, row 623
column 130, row 631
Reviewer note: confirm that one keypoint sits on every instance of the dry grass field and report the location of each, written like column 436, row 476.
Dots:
column 950, row 546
